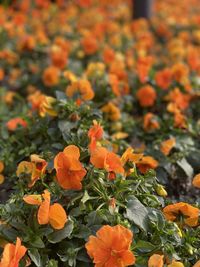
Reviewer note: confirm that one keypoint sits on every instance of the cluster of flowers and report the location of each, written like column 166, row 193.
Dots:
column 97, row 112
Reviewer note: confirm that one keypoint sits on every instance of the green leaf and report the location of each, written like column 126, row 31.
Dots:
column 137, row 213
column 59, row 235
column 8, row 233
column 94, row 218
column 83, row 232
column 144, row 246
column 186, row 167
column 85, row 197
column 52, row 263
column 35, row 257
column 37, row 242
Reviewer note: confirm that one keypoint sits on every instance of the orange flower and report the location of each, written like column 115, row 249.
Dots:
column 42, row 103
column 36, row 168
column 69, row 169
column 118, row 87
column 9, row 97
column 197, row 264
column 147, row 163
column 128, row 155
column 54, row 214
column 166, row 146
column 156, row 260
column 27, row 43
column 95, row 70
column 108, row 55
column 2, row 178
column 150, row 122
column 163, row 78
column 191, row 213
column 36, row 98
column 1, row 166
column 47, row 107
column 12, row 254
column 58, row 57
column 179, row 99
column 193, row 59
column 50, row 76
column 95, row 133
column 180, row 120
column 104, row 159
column 83, row 88
column 113, row 112
column 143, row 67
column 180, row 72
column 146, row 96
column 14, row 123
column 196, row 181
column 111, row 247
column 90, row 45
column 2, row 74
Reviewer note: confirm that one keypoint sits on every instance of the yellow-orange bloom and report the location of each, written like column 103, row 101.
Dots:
column 12, row 254
column 180, row 72
column 190, row 213
column 36, row 168
column 112, row 112
column 128, row 155
column 42, row 103
column 166, row 146
column 111, row 247
column 54, row 214
column 156, row 260
column 196, row 181
column 69, row 170
column 175, row 264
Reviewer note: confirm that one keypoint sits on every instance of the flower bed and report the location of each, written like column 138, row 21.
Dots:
column 99, row 135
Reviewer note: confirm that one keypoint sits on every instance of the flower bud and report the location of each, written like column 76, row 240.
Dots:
column 160, row 190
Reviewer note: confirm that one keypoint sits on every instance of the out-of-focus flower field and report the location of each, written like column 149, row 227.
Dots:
column 99, row 134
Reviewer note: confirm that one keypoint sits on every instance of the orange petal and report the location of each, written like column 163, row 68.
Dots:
column 33, row 199
column 196, row 181
column 19, row 249
column 156, row 260
column 127, row 258
column 98, row 157
column 25, row 167
column 167, row 146
column 72, row 151
column 12, row 254
column 43, row 212
column 1, row 166
column 57, row 216
column 2, row 178
column 197, row 264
